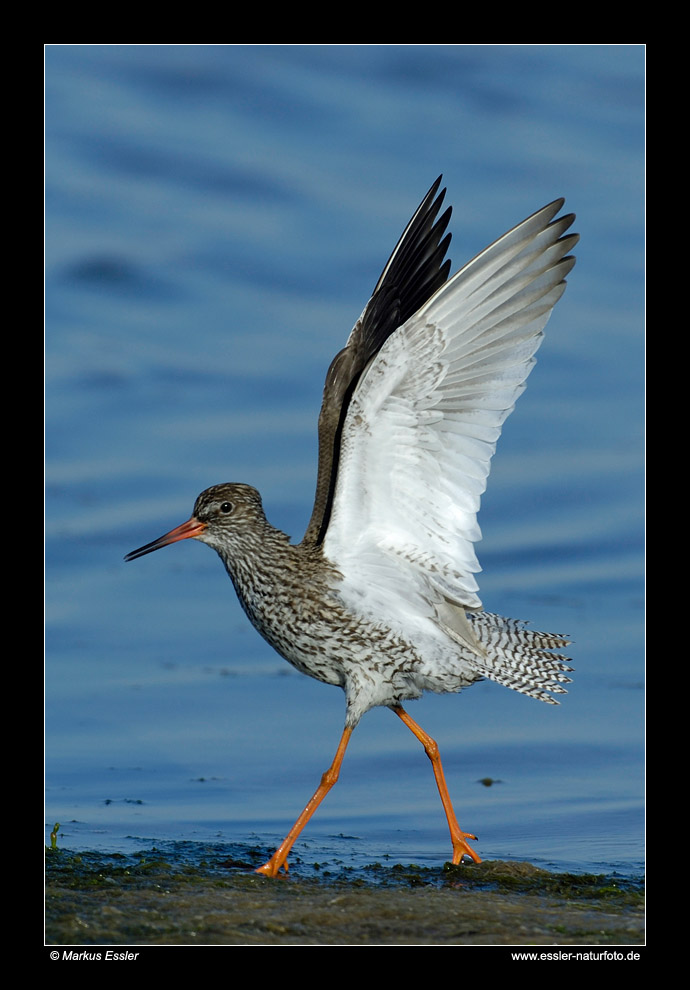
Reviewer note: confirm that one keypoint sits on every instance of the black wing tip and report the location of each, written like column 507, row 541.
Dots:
column 433, row 200
column 435, row 186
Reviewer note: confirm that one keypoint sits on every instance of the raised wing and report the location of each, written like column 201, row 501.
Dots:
column 423, row 422
column 414, row 271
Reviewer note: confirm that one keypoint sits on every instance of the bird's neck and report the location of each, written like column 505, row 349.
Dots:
column 263, row 563
column 273, row 578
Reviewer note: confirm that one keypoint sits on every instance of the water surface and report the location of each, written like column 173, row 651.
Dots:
column 216, row 219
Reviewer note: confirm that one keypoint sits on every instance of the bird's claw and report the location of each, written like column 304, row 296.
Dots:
column 272, row 869
column 462, row 848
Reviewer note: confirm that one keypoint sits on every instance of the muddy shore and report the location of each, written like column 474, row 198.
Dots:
column 214, row 898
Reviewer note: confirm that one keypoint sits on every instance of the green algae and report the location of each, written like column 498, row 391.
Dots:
column 194, row 894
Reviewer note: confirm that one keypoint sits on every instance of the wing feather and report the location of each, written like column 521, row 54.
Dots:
column 423, row 423
column 412, row 274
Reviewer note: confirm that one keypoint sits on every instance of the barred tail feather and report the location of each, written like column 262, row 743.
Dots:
column 520, row 658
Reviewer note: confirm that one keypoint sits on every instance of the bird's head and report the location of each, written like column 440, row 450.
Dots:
column 224, row 517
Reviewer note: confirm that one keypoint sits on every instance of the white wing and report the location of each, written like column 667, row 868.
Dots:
column 423, row 423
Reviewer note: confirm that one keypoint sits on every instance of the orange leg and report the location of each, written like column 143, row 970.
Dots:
column 458, row 837
column 279, row 857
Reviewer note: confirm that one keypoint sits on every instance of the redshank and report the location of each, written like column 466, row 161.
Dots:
column 380, row 598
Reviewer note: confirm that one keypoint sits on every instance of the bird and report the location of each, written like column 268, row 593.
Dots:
column 380, row 598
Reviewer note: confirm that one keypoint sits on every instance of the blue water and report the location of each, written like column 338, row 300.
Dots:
column 216, row 219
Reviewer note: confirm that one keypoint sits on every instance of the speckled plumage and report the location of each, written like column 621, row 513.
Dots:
column 291, row 595
column 379, row 598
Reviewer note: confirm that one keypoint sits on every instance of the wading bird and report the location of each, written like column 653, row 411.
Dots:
column 379, row 598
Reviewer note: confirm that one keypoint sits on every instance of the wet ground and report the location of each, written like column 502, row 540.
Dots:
column 188, row 894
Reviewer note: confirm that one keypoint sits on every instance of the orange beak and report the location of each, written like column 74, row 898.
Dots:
column 192, row 528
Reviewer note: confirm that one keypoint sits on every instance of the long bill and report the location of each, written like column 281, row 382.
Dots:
column 187, row 530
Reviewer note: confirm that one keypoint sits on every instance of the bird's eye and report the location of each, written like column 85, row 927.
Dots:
column 226, row 506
